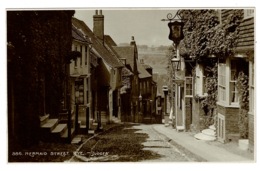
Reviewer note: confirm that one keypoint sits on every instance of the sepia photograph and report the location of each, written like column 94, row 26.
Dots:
column 142, row 85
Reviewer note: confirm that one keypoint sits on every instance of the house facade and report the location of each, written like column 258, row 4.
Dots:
column 148, row 89
column 229, row 71
column 143, row 89
column 80, row 73
column 183, row 95
column 36, row 77
column 106, row 93
column 217, row 108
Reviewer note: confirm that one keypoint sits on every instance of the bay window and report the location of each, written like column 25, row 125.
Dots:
column 233, row 82
column 251, row 88
column 222, row 82
column 227, row 80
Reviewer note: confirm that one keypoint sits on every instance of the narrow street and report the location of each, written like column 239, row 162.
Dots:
column 94, row 85
column 165, row 147
column 132, row 142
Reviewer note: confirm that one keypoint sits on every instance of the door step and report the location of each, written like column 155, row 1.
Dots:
column 50, row 124
column 201, row 136
column 180, row 128
column 44, row 119
column 59, row 129
column 209, row 132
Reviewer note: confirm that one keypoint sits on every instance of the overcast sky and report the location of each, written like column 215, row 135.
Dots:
column 144, row 24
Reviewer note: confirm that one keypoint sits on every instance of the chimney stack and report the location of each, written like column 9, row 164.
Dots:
column 133, row 41
column 98, row 24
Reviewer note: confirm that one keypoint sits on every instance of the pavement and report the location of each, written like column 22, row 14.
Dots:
column 211, row 152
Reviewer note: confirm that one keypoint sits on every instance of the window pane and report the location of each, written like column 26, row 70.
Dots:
column 222, row 93
column 86, row 57
column 234, row 93
column 222, row 75
column 189, row 87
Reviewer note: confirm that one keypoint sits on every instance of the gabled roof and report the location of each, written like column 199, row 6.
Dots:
column 146, row 66
column 143, row 73
column 78, row 35
column 128, row 53
column 109, row 40
column 109, row 58
column 126, row 72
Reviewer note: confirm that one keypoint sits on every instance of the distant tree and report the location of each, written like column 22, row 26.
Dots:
column 143, row 47
column 123, row 44
column 163, row 48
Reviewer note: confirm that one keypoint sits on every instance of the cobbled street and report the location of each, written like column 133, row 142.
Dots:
column 167, row 148
column 136, row 142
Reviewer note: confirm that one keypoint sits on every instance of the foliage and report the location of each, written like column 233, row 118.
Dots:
column 242, row 86
column 208, row 104
column 73, row 55
column 205, row 35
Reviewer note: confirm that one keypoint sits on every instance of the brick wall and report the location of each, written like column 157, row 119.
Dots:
column 231, row 119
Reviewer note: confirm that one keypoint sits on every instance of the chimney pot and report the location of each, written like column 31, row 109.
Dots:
column 132, row 41
column 98, row 25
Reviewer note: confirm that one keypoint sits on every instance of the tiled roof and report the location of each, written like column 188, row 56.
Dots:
column 146, row 66
column 126, row 72
column 127, row 52
column 77, row 35
column 126, row 81
column 107, row 56
column 109, row 40
column 142, row 71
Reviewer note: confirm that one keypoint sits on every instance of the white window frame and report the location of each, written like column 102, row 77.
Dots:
column 251, row 88
column 76, row 60
column 222, row 82
column 199, row 81
column 233, row 81
column 86, row 55
column 248, row 13
column 191, row 84
column 81, row 60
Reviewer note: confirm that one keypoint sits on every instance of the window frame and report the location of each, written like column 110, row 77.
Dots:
column 249, row 13
column 222, row 87
column 252, row 88
column 191, row 87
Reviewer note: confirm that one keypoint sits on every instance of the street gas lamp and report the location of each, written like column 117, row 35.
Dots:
column 175, row 25
column 176, row 63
